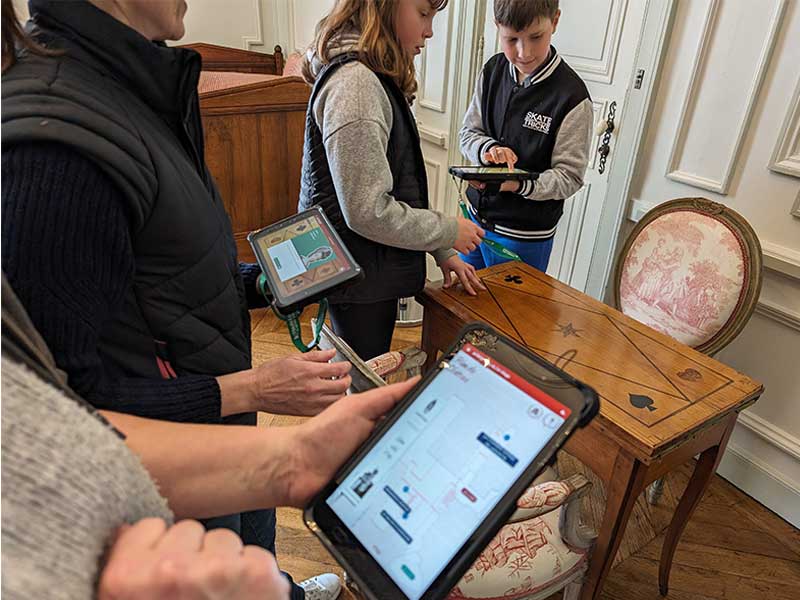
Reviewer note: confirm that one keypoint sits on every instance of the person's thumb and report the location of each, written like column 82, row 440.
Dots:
column 376, row 403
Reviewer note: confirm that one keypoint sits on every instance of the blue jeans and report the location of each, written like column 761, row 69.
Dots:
column 535, row 253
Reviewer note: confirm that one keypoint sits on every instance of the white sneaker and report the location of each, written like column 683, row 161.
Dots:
column 322, row 587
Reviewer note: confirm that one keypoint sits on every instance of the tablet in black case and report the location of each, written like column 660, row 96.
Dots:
column 303, row 259
column 418, row 502
column 492, row 174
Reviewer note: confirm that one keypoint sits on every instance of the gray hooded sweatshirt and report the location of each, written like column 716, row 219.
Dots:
column 354, row 115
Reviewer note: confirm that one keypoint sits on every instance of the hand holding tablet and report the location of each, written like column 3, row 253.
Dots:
column 418, row 502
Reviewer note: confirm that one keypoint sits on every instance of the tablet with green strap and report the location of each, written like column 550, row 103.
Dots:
column 303, row 260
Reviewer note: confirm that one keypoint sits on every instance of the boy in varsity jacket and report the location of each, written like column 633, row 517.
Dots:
column 532, row 111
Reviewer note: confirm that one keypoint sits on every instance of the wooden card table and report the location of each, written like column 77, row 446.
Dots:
column 661, row 402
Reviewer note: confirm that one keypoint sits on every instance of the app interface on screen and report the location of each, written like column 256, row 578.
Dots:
column 425, row 487
column 302, row 255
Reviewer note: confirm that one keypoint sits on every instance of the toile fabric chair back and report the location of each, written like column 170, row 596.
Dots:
column 691, row 269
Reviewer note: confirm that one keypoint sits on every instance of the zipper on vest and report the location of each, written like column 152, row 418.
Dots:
column 162, row 360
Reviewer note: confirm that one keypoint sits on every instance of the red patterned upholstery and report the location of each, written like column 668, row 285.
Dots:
column 529, row 555
column 294, row 65
column 685, row 275
column 211, row 81
column 524, row 558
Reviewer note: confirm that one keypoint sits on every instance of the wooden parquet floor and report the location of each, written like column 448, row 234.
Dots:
column 732, row 549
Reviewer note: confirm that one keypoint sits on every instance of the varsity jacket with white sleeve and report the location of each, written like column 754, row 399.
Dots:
column 547, row 121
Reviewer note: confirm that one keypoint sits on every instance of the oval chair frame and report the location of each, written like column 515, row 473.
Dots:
column 753, row 260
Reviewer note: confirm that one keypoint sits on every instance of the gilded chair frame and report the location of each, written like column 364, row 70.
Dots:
column 753, row 261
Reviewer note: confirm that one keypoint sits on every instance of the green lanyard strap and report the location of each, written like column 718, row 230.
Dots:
column 495, row 247
column 292, row 320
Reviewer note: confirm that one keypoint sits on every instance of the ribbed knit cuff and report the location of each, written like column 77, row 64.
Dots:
column 187, row 399
column 484, row 149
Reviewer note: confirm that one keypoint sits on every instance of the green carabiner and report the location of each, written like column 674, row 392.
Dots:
column 292, row 320
column 495, row 247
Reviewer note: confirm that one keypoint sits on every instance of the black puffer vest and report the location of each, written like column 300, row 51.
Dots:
column 132, row 107
column 389, row 272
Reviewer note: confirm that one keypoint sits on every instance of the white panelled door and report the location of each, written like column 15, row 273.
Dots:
column 599, row 40
column 444, row 70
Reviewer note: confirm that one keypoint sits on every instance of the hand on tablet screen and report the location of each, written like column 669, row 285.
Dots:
column 506, row 186
column 321, row 445
column 500, row 154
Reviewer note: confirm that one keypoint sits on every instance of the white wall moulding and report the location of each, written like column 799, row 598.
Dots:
column 770, row 433
column 256, row 41
column 762, row 481
column 781, row 259
column 796, row 206
column 433, row 136
column 786, row 157
column 700, row 124
column 596, row 56
column 639, row 208
column 779, row 314
column 435, row 61
column 283, row 25
column 433, row 170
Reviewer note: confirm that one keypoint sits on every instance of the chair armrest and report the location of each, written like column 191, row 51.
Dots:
column 386, row 363
column 403, row 364
column 542, row 498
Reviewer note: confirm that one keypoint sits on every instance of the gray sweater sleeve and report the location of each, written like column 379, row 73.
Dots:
column 68, row 482
column 473, row 139
column 569, row 160
column 355, row 117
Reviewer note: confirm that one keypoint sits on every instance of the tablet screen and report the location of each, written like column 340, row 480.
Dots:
column 492, row 174
column 431, row 480
column 301, row 256
column 492, row 171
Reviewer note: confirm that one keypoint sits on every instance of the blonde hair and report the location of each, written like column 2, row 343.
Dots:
column 378, row 46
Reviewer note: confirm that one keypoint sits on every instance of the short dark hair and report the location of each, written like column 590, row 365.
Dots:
column 520, row 14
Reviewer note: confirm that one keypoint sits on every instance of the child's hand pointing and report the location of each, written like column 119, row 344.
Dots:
column 499, row 155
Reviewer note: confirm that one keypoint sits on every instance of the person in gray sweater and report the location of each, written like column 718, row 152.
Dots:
column 90, row 499
column 362, row 163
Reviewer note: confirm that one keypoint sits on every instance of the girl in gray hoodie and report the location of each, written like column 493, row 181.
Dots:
column 363, row 163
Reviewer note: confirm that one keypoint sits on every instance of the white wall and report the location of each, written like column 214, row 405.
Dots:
column 243, row 24
column 713, row 134
column 254, row 24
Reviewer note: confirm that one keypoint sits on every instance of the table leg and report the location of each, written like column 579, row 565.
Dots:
column 626, row 484
column 701, row 478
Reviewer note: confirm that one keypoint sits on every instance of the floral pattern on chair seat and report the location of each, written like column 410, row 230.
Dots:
column 522, row 559
column 685, row 275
